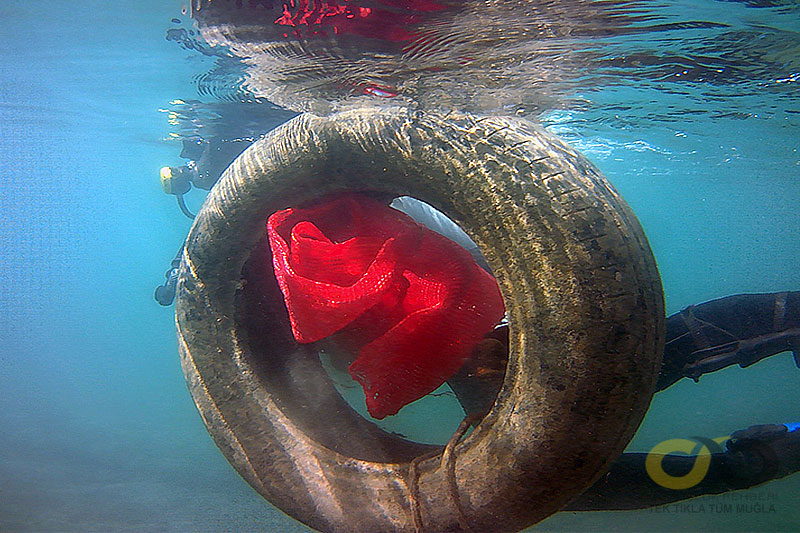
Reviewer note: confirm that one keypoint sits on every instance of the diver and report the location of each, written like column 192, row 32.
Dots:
column 740, row 329
column 207, row 160
column 218, row 133
column 213, row 135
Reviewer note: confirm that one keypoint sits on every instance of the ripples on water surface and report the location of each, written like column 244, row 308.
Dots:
column 622, row 63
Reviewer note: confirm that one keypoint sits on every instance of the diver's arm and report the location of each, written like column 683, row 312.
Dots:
column 753, row 456
column 627, row 484
column 165, row 294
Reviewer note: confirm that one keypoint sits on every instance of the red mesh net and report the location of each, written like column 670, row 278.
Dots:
column 411, row 303
column 389, row 20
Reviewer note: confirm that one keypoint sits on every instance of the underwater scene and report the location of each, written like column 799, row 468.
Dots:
column 589, row 210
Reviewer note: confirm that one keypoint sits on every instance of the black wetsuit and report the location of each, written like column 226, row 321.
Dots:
column 742, row 329
column 752, row 456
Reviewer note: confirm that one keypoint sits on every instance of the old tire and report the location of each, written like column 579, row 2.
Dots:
column 580, row 286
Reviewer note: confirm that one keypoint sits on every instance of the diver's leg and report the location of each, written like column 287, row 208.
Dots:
column 743, row 329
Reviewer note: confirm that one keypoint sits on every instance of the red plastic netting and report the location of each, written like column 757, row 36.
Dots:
column 412, row 303
column 388, row 20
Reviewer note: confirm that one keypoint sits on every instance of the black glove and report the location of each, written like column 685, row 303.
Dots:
column 165, row 294
column 762, row 453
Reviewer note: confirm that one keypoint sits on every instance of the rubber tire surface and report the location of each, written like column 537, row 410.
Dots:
column 580, row 287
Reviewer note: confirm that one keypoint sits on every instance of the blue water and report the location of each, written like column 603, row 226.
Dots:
column 97, row 429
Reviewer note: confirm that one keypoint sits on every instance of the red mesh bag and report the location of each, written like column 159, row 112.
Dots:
column 412, row 303
column 389, row 20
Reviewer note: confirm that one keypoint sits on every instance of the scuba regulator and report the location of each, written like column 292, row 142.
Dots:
column 178, row 181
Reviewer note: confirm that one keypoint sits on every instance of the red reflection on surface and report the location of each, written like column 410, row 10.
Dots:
column 412, row 303
column 392, row 23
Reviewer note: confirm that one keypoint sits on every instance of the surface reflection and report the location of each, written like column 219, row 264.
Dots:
column 524, row 57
